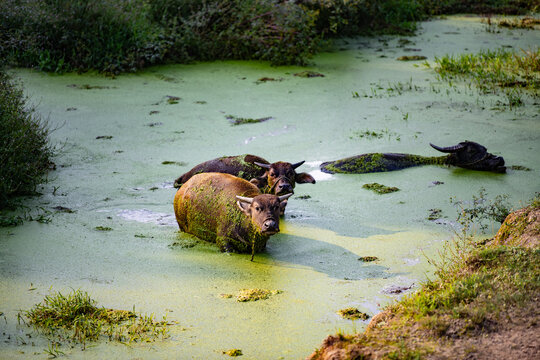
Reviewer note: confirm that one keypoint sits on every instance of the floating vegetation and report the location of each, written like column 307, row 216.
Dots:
column 266, row 79
column 497, row 70
column 303, row 197
column 63, row 209
column 76, row 317
column 379, row 188
column 87, row 87
column 159, row 123
column 179, row 163
column 371, row 134
column 173, row 99
column 434, row 214
column 519, row 168
column 103, row 228
column 233, row 352
column 368, row 258
column 352, row 313
column 200, row 102
column 411, row 58
column 246, row 295
column 153, row 112
column 236, row 120
column 309, row 74
column 104, row 137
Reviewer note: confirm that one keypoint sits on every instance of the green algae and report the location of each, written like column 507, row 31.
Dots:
column 368, row 258
column 379, row 188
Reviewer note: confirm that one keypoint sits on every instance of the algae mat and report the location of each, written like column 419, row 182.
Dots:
column 124, row 140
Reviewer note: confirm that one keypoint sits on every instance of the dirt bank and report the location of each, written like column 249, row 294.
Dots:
column 483, row 306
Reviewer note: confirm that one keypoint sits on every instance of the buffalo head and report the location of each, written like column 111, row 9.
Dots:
column 281, row 177
column 471, row 155
column 263, row 210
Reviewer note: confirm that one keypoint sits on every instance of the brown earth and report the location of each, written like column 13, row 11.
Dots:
column 509, row 333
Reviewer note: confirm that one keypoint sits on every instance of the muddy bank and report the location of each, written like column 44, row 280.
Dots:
column 417, row 328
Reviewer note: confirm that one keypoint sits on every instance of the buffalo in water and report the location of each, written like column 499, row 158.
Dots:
column 466, row 154
column 278, row 178
column 229, row 211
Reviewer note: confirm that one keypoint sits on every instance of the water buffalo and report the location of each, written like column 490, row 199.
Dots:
column 227, row 210
column 466, row 154
column 278, row 178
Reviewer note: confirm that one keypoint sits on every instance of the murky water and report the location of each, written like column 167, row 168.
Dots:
column 122, row 183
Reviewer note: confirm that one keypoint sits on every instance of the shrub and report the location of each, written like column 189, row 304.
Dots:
column 25, row 154
column 66, row 35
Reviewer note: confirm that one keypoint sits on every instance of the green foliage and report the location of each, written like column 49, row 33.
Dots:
column 66, row 35
column 25, row 153
column 481, row 210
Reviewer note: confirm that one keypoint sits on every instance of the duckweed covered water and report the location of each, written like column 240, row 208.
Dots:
column 115, row 135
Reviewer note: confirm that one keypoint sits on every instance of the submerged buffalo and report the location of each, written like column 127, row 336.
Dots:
column 466, row 154
column 278, row 178
column 229, row 211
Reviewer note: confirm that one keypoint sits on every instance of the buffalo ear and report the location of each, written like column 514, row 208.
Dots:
column 244, row 207
column 303, row 178
column 255, row 181
column 282, row 206
column 260, row 181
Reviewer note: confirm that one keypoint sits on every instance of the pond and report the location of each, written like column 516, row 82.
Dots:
column 123, row 141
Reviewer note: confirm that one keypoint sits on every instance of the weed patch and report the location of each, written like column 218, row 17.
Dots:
column 77, row 318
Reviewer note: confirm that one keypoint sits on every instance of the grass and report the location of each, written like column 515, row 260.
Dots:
column 76, row 317
column 495, row 71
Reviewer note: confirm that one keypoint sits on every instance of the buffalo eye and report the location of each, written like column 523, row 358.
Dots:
column 273, row 174
column 257, row 208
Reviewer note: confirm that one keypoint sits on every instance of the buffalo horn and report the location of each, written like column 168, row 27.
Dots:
column 245, row 199
column 294, row 166
column 266, row 166
column 448, row 149
column 285, row 197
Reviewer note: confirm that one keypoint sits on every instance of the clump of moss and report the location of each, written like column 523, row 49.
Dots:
column 76, row 317
column 368, row 258
column 103, row 228
column 411, row 58
column 236, row 120
column 353, row 313
column 379, row 188
column 246, row 295
column 308, row 74
column 233, row 352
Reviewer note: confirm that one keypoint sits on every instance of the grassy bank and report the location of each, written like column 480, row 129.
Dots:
column 25, row 153
column 483, row 302
column 122, row 36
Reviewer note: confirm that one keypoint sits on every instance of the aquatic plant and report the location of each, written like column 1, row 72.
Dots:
column 352, row 313
column 76, row 317
column 25, row 151
column 246, row 295
column 380, row 189
column 495, row 70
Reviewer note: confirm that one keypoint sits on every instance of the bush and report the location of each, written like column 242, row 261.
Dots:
column 279, row 32
column 67, row 35
column 25, row 154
